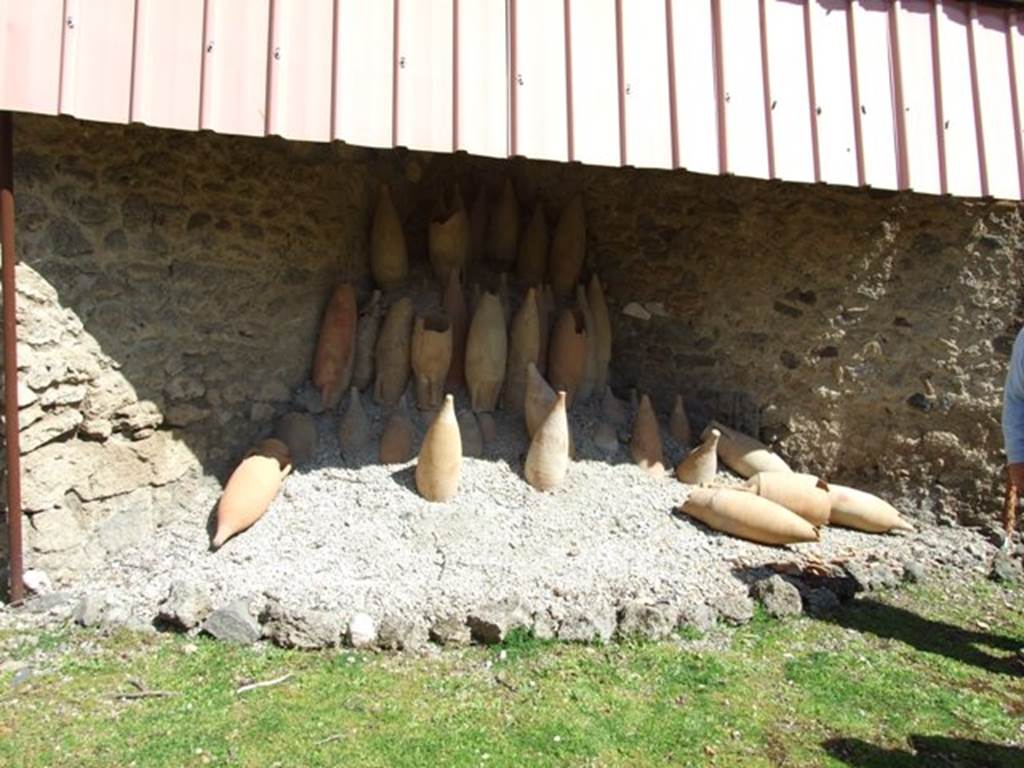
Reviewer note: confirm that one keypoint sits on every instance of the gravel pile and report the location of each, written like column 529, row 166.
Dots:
column 352, row 538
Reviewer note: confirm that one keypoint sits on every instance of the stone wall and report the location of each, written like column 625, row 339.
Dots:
column 170, row 288
column 864, row 333
column 171, row 285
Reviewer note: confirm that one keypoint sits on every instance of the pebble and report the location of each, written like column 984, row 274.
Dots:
column 734, row 608
column 913, row 572
column 1005, row 569
column 91, row 609
column 362, row 631
column 635, row 309
column 778, row 596
column 37, row 582
column 186, row 605
column 234, row 623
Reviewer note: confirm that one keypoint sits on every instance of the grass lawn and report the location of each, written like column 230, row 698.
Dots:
column 925, row 676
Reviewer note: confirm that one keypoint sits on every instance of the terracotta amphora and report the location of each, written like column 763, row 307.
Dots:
column 549, row 302
column 393, row 352
column 389, row 261
column 790, row 490
column 532, row 263
column 547, row 461
column 613, row 409
column 336, row 347
column 701, row 465
column 448, row 239
column 606, row 437
column 455, row 307
column 478, row 227
column 396, row 442
column 486, row 354
column 602, row 331
column 538, row 399
column 811, row 481
column 679, row 424
column 524, row 340
column 472, row 438
column 488, row 428
column 503, row 228
column 645, row 444
column 474, row 295
column 586, row 386
column 852, row 508
column 568, row 247
column 743, row 454
column 503, row 297
column 746, row 515
column 354, row 426
column 440, row 459
column 250, row 489
column 430, row 358
column 298, row 431
column 545, row 317
column 366, row 339
column 567, row 353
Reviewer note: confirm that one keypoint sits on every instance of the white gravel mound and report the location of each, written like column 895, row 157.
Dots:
column 350, row 536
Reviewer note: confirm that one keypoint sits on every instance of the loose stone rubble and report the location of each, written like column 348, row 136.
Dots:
column 778, row 596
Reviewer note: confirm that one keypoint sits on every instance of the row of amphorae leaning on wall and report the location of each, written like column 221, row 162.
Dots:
column 537, row 359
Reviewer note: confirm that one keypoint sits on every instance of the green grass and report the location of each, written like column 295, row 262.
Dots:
column 912, row 679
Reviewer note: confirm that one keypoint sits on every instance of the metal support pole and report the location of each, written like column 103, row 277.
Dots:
column 11, row 424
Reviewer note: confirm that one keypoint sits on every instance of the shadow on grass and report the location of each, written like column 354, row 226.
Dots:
column 963, row 645
column 927, row 752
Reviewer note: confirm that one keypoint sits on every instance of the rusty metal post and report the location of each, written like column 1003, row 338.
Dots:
column 11, row 425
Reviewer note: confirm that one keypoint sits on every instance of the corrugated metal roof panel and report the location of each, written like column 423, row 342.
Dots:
column 168, row 63
column 237, row 58
column 30, row 58
column 364, row 94
column 917, row 85
column 540, row 116
column 1015, row 40
column 989, row 31
column 959, row 126
column 595, row 81
column 918, row 94
column 99, row 43
column 645, row 71
column 425, row 76
column 743, row 91
column 876, row 97
column 697, row 113
column 481, row 98
column 301, row 73
column 789, row 83
column 833, row 91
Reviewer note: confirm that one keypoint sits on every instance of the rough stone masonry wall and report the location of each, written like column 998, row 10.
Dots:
column 171, row 285
column 170, row 289
column 864, row 333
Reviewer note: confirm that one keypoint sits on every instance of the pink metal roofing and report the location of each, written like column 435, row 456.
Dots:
column 899, row 94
